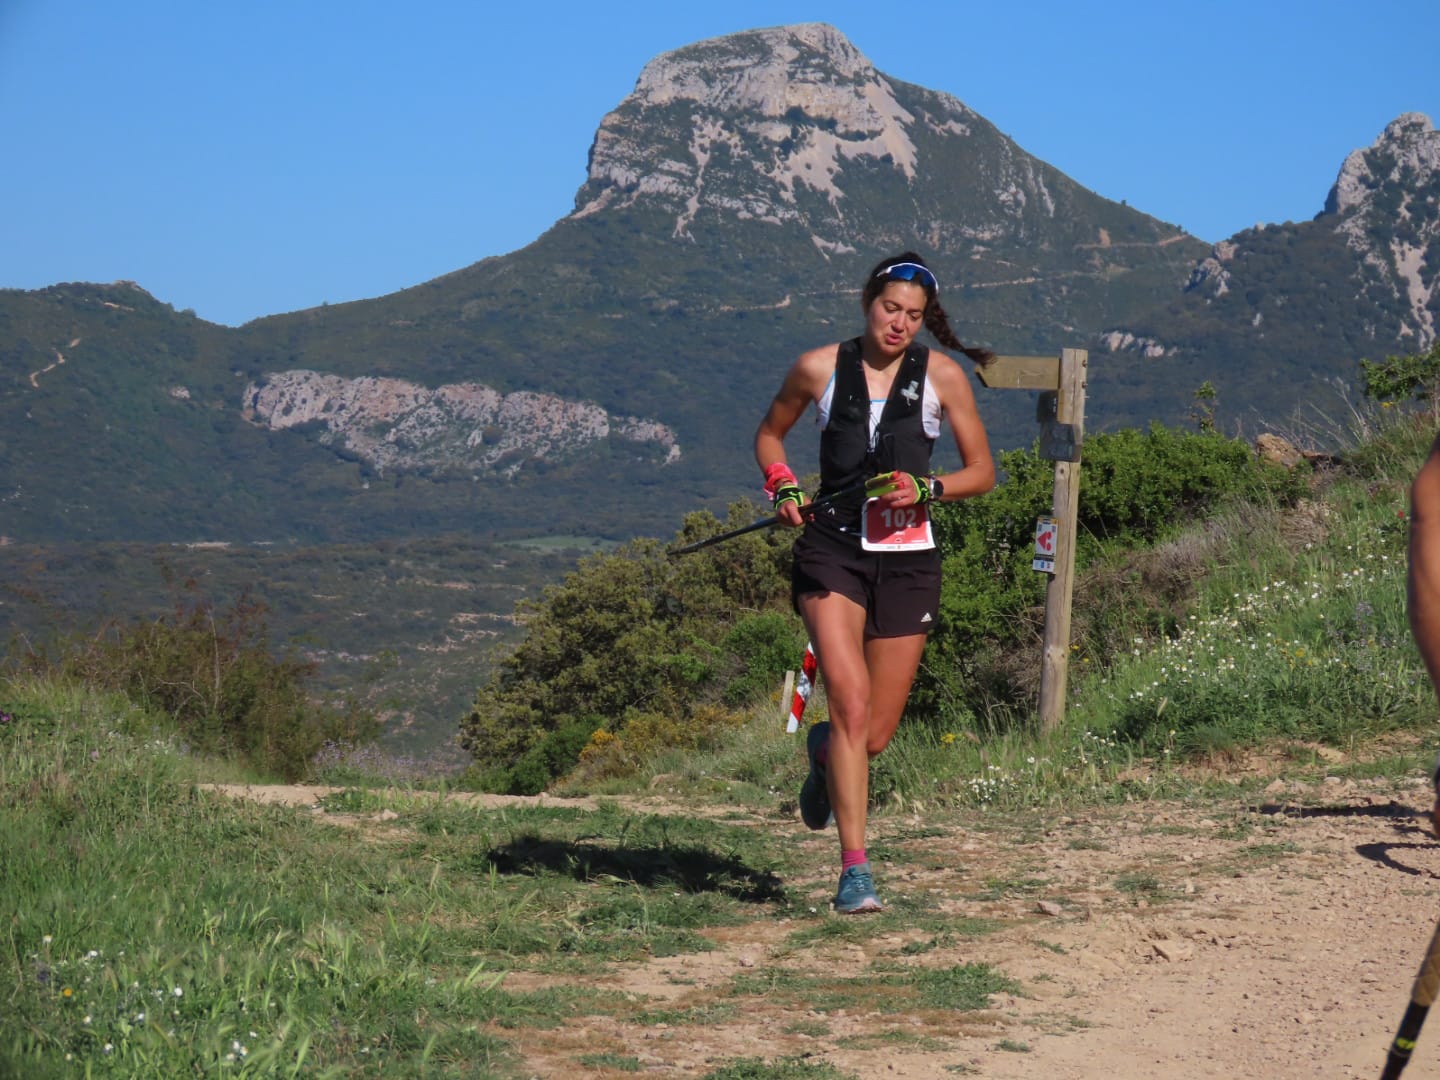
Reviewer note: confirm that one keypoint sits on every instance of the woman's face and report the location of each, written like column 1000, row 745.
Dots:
column 895, row 317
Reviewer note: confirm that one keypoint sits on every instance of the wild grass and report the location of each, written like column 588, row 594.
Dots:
column 158, row 929
column 779, row 1069
column 959, row 988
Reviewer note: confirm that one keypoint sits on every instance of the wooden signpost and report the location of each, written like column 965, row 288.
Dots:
column 1061, row 413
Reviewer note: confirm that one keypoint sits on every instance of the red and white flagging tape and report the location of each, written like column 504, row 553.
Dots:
column 803, row 685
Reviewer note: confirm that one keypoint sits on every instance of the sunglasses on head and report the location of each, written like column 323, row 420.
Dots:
column 909, row 271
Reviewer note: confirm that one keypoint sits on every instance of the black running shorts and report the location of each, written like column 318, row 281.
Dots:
column 900, row 591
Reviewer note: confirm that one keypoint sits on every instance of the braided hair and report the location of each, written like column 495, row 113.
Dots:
column 936, row 320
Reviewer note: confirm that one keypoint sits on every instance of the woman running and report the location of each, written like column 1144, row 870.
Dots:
column 866, row 578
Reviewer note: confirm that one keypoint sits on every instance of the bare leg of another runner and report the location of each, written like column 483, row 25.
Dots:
column 1423, row 600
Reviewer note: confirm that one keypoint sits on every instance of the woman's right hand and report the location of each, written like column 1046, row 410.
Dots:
column 788, row 501
column 786, row 494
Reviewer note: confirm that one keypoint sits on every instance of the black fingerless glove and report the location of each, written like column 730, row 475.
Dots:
column 788, row 493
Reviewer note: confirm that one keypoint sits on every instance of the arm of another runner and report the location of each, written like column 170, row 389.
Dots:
column 802, row 383
column 1423, row 574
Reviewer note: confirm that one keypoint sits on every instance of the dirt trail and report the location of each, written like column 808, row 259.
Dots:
column 1242, row 939
column 59, row 359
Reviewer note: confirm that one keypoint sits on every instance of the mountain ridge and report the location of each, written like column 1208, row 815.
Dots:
column 732, row 202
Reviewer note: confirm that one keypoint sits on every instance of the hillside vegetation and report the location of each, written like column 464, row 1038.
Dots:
column 159, row 929
column 1188, row 540
column 1182, row 535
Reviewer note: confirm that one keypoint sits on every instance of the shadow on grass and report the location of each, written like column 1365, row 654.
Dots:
column 691, row 869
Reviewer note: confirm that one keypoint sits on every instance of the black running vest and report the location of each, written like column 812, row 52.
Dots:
column 848, row 455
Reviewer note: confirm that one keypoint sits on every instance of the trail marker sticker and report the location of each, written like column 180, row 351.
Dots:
column 1046, row 533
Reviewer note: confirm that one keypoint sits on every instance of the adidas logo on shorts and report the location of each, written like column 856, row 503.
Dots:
column 926, row 618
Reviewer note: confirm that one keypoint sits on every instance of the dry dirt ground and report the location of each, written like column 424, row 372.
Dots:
column 1273, row 937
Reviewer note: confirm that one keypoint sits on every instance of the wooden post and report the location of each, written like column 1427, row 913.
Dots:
column 1061, row 437
column 1059, row 591
column 1021, row 373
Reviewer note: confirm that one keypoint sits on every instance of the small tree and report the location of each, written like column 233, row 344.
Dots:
column 1414, row 377
column 1203, row 410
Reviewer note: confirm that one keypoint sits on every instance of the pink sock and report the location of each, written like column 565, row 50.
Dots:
column 852, row 858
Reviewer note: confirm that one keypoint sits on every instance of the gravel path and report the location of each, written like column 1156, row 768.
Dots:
column 1242, row 938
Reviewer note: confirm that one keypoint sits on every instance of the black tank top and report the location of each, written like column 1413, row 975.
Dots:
column 850, row 452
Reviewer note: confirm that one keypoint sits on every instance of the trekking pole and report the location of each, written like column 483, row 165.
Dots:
column 1422, row 996
column 763, row 523
column 769, row 522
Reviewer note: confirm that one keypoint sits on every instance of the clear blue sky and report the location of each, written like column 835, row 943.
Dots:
column 244, row 159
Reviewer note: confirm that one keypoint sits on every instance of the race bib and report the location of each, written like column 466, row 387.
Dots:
column 896, row 528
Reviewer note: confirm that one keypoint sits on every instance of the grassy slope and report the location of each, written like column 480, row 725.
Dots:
column 159, row 929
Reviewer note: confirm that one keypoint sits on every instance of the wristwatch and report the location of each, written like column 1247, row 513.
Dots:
column 937, row 489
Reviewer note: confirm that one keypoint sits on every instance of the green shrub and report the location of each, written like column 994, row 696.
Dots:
column 1138, row 486
column 1392, row 453
column 643, row 641
column 595, row 645
column 766, row 645
column 1401, row 378
column 214, row 675
column 553, row 756
column 645, row 736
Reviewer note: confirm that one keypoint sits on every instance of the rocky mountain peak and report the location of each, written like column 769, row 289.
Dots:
column 763, row 71
column 1387, row 198
column 748, row 124
column 808, row 73
column 1407, row 151
column 793, row 130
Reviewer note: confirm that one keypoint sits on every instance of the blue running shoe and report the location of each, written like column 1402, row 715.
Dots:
column 857, row 892
column 814, row 796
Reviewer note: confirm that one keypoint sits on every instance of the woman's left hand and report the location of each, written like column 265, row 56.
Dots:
column 898, row 489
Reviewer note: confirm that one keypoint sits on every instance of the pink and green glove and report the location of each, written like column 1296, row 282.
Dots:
column 782, row 487
column 913, row 490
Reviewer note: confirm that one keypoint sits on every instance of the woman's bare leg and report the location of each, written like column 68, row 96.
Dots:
column 866, row 684
column 837, row 631
column 892, row 664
